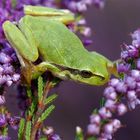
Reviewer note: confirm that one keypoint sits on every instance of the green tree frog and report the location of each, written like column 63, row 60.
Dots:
column 42, row 33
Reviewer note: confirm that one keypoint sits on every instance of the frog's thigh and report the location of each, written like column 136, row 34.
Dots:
column 19, row 41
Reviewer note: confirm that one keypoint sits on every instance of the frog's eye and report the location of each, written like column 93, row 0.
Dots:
column 86, row 74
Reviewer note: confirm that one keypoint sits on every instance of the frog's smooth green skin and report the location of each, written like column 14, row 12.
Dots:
column 42, row 33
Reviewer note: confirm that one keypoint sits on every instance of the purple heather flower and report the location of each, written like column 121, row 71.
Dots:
column 113, row 83
column 121, row 87
column 116, row 124
column 93, row 129
column 123, row 67
column 16, row 77
column 86, row 31
column 108, row 128
column 55, row 137
column 102, row 138
column 135, row 74
column 87, row 42
column 133, row 104
column 2, row 99
column 13, row 122
column 138, row 64
column 136, row 38
column 105, row 113
column 81, row 22
column 4, row 58
column 132, row 51
column 2, row 137
column 3, row 120
column 124, row 55
column 107, row 136
column 81, row 6
column 121, row 109
column 130, row 82
column 49, row 132
column 108, row 90
column 99, row 3
column 112, row 96
column 110, row 104
column 131, row 95
column 77, row 6
column 95, row 118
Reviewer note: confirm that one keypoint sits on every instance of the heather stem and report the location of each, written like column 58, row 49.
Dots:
column 40, row 110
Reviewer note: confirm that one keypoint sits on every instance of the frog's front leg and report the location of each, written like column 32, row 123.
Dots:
column 64, row 16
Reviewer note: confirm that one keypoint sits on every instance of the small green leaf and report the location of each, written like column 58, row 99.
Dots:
column 46, row 113
column 5, row 131
column 43, row 138
column 95, row 111
column 21, row 128
column 50, row 99
column 28, row 130
column 29, row 93
column 79, row 134
column 40, row 88
column 92, row 138
column 32, row 108
column 14, row 2
column 56, row 81
column 102, row 102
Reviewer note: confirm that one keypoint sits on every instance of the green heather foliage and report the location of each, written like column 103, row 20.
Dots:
column 21, row 129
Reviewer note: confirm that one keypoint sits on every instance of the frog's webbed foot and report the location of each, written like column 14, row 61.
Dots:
column 26, row 73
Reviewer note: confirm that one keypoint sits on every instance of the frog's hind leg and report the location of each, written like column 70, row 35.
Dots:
column 65, row 16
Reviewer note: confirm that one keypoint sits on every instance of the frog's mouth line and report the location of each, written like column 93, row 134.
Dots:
column 82, row 73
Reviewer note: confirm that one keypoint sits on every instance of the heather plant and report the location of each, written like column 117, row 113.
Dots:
column 36, row 105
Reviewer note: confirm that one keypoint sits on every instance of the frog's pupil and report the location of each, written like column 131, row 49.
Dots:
column 86, row 74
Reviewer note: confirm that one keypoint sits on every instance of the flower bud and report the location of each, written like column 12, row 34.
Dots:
column 121, row 109
column 93, row 129
column 131, row 95
column 95, row 118
column 105, row 113
column 108, row 128
column 2, row 99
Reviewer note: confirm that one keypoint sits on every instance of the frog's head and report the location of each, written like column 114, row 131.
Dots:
column 96, row 70
column 93, row 72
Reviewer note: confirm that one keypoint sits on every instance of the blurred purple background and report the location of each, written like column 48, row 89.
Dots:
column 111, row 27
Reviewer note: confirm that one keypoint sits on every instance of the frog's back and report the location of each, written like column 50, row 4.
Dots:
column 55, row 41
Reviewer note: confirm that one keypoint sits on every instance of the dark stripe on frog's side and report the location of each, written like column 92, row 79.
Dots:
column 83, row 73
